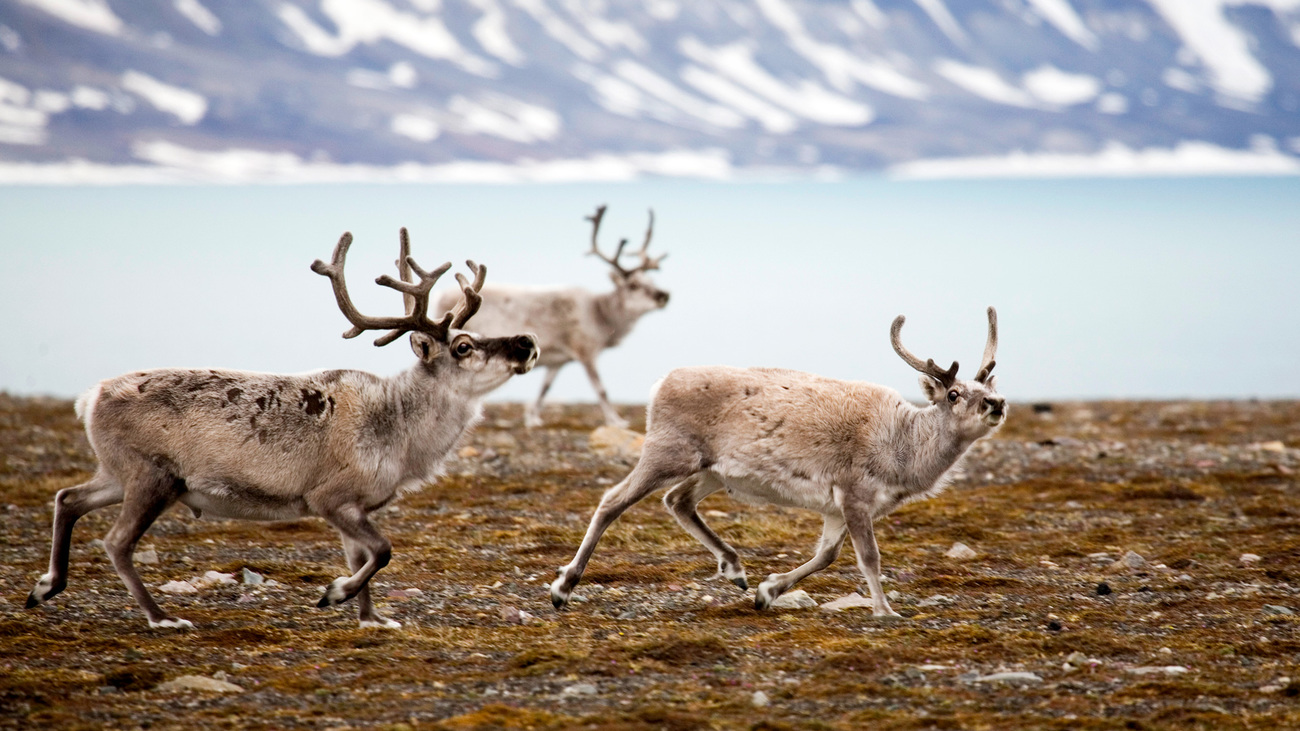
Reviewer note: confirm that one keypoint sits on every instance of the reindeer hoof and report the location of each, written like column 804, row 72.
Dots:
column 559, row 597
column 171, row 623
column 334, row 594
column 43, row 591
column 532, row 421
column 764, row 597
column 740, row 582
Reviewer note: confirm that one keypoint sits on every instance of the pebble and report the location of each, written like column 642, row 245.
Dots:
column 1014, row 677
column 1128, row 562
column 1248, row 558
column 760, row 699
column 581, row 689
column 848, row 601
column 146, row 556
column 199, row 682
column 252, row 578
column 797, row 599
column 1278, row 609
column 213, row 578
column 1152, row 669
column 935, row 601
column 178, row 587
column 961, row 552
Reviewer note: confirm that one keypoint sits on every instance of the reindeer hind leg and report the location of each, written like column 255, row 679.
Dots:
column 69, row 505
column 145, row 497
column 682, row 500
column 366, row 612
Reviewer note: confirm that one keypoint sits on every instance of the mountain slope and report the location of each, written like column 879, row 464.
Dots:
column 481, row 89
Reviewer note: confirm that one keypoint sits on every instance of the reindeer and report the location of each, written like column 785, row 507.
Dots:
column 849, row 450
column 572, row 323
column 335, row 444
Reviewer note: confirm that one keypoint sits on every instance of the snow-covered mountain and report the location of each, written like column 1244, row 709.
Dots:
column 114, row 90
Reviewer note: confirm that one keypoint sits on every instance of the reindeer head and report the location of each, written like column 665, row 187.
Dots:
column 636, row 291
column 975, row 405
column 445, row 350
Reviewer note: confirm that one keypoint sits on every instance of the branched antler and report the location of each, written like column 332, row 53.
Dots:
column 947, row 378
column 990, row 348
column 647, row 262
column 416, row 295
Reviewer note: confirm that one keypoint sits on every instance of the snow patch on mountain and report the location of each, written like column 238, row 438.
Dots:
column 1061, row 88
column 200, row 16
column 1063, row 16
column 982, row 82
column 1113, row 160
column 187, row 106
column 93, row 15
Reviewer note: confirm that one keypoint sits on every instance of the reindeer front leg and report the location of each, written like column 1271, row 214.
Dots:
column 611, row 416
column 857, row 517
column 364, row 543
column 533, row 412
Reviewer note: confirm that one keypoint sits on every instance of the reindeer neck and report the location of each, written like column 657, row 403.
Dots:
column 613, row 318
column 418, row 406
column 935, row 445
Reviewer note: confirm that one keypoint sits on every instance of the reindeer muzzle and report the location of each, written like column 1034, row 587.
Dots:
column 523, row 350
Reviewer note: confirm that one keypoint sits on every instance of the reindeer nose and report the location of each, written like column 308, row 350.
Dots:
column 995, row 403
column 524, row 350
column 661, row 298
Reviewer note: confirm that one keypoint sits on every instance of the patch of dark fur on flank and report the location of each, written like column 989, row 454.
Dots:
column 312, row 402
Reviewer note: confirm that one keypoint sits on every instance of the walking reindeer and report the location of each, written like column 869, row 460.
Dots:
column 336, row 444
column 849, row 450
column 575, row 324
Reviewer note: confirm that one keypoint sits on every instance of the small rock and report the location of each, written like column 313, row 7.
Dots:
column 1166, row 669
column 501, row 441
column 1165, row 651
column 467, row 452
column 1054, row 626
column 628, row 614
column 1278, row 609
column 894, row 595
column 199, row 682
column 1128, row 562
column 1248, row 558
column 581, row 689
column 1274, row 446
column 404, row 593
column 848, row 601
column 105, row 689
column 147, row 555
column 1015, row 677
column 612, row 441
column 511, row 615
column 968, row 677
column 252, row 578
column 797, row 599
column 961, row 552
column 935, row 601
column 1103, row 589
column 213, row 578
column 178, row 587
column 716, row 514
column 97, row 543
column 760, row 699
column 1076, row 658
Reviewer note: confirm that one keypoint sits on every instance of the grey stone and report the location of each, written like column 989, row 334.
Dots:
column 199, row 682
column 797, row 599
column 252, row 578
column 760, row 699
column 1014, row 677
column 1278, row 609
column 146, row 556
column 581, row 689
column 848, row 601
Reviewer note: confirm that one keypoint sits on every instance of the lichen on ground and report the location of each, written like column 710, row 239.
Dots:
column 1194, row 637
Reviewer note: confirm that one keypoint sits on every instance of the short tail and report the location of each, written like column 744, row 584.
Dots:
column 85, row 405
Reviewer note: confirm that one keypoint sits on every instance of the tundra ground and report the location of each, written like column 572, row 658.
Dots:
column 1197, row 633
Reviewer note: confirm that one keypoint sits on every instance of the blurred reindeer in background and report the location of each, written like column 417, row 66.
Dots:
column 571, row 323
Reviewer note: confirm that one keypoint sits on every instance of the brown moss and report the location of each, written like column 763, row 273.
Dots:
column 136, row 676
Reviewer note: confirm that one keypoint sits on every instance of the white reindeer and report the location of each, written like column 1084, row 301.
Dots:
column 572, row 323
column 335, row 444
column 849, row 450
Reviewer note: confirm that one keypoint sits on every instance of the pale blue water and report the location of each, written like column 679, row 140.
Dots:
column 1143, row 288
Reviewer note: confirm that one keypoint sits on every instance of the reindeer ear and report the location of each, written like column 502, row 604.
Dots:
column 618, row 279
column 934, row 391
column 425, row 347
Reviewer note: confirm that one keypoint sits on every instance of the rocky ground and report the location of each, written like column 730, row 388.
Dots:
column 1135, row 566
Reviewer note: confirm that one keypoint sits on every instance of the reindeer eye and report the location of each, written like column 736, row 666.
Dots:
column 463, row 348
column 952, row 396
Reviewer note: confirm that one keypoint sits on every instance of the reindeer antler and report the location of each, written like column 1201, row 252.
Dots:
column 947, row 378
column 647, row 262
column 990, row 348
column 416, row 295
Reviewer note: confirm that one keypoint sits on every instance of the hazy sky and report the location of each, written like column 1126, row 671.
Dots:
column 1139, row 288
